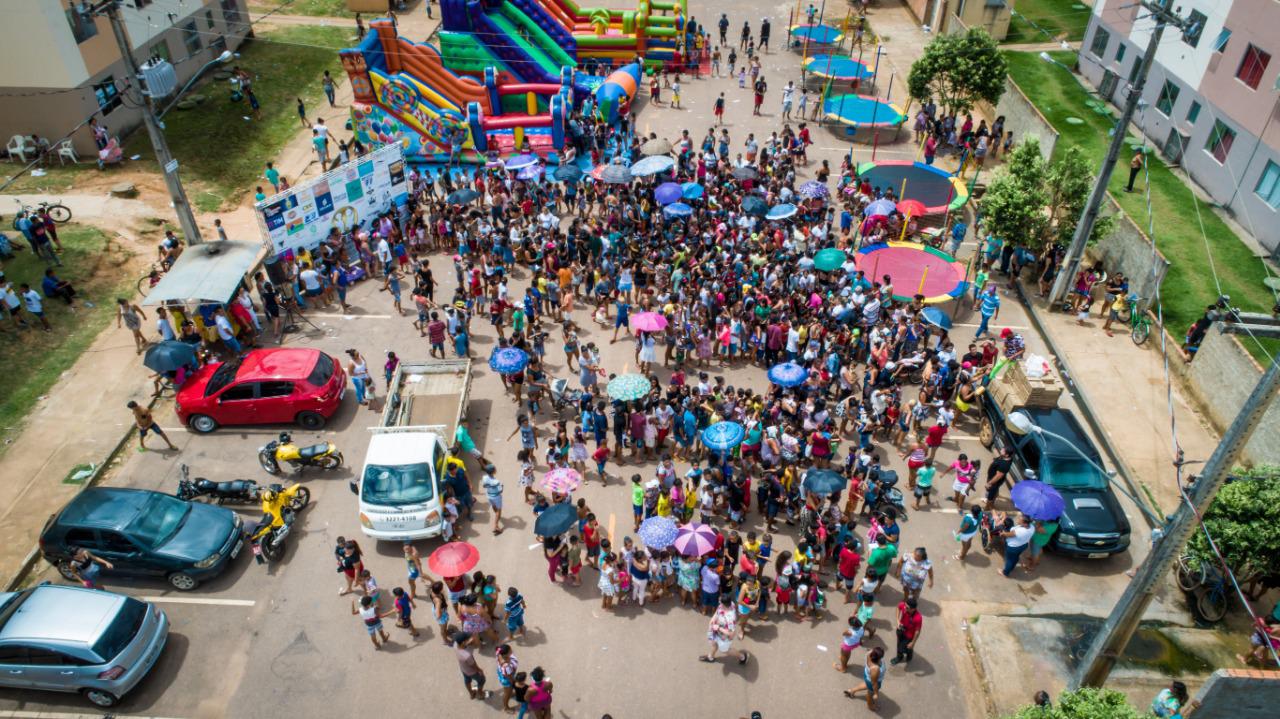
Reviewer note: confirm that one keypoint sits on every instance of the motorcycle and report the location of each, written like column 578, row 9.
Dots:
column 881, row 494
column 280, row 507
column 990, row 527
column 240, row 491
column 324, row 455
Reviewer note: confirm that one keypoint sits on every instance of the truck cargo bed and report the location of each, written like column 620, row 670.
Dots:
column 428, row 394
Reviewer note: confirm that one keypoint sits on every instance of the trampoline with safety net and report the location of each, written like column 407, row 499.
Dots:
column 914, row 269
column 939, row 190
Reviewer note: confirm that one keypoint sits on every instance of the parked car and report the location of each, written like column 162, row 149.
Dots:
column 267, row 386
column 1093, row 524
column 147, row 533
column 70, row 639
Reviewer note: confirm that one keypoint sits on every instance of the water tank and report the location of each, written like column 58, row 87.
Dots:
column 159, row 77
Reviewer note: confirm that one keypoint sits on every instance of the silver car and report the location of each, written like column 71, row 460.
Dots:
column 69, row 639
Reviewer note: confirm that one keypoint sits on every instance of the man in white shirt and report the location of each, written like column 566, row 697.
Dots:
column 310, row 280
column 384, row 254
column 225, row 333
column 163, row 325
column 35, row 305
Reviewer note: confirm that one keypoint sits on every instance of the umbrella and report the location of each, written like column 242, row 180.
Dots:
column 658, row 532
column 462, row 197
column 612, row 174
column 788, row 374
column 754, row 205
column 695, row 540
column 454, row 559
column 829, row 259
column 936, row 317
column 668, row 192
column 521, row 161
column 745, row 173
column 781, row 212
column 169, row 356
column 691, row 190
column 1037, row 500
column 657, row 146
column 879, row 207
column 508, row 360
column 723, row 436
column 648, row 322
column 568, row 173
column 677, row 209
column 824, row 482
column 652, row 165
column 562, row 480
column 628, row 387
column 530, row 172
column 915, row 208
column 556, row 520
column 813, row 189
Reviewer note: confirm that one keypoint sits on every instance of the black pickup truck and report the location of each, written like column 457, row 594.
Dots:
column 1093, row 524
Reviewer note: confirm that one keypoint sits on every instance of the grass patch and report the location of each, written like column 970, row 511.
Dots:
column 322, row 8
column 206, row 201
column 1048, row 21
column 34, row 359
column 57, row 178
column 1188, row 286
column 220, row 151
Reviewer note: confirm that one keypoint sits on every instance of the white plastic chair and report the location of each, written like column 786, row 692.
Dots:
column 19, row 145
column 65, row 150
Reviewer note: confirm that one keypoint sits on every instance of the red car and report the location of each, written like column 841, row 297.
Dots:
column 267, row 386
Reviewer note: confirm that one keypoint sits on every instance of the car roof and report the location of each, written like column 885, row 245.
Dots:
column 394, row 448
column 278, row 363
column 1059, row 421
column 105, row 507
column 58, row 613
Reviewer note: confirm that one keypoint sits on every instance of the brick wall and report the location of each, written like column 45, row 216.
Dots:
column 1221, row 378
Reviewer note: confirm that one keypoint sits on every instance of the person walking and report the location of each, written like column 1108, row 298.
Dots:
column 372, row 618
column 538, row 695
column 358, row 370
column 721, row 632
column 492, row 487
column 413, row 560
column 1135, row 166
column 910, row 622
column 472, row 675
column 331, row 88
column 913, row 570
column 969, row 525
column 872, row 678
column 145, row 422
column 506, row 669
column 1015, row 543
column 131, row 315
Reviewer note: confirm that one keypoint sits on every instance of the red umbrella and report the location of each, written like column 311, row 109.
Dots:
column 915, row 208
column 454, row 559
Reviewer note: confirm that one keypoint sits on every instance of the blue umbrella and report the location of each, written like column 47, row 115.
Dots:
column 1037, row 500
column 677, row 209
column 754, row 205
column 667, row 193
column 628, row 387
column 652, row 165
column 781, row 212
column 568, row 173
column 723, row 436
column 556, row 520
column 508, row 360
column 658, row 532
column 692, row 190
column 521, row 161
column 936, row 317
column 813, row 189
column 788, row 374
column 168, row 356
column 824, row 482
column 879, row 207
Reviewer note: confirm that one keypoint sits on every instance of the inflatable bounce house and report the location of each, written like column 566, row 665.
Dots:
column 506, row 76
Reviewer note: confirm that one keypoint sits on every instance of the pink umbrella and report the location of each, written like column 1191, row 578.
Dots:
column 562, row 480
column 695, row 540
column 648, row 322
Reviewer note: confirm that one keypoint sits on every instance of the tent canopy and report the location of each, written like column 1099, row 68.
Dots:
column 208, row 272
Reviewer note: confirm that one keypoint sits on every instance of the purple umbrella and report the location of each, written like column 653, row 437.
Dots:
column 695, row 540
column 530, row 172
column 667, row 193
column 1037, row 500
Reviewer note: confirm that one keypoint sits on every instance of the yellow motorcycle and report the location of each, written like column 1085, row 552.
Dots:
column 279, row 508
column 324, row 455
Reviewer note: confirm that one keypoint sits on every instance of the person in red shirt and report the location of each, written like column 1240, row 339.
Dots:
column 910, row 622
column 847, row 567
column 933, row 439
column 805, row 142
column 591, row 538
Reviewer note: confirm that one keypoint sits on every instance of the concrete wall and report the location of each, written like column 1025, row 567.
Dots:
column 1239, row 694
column 1127, row 249
column 976, row 13
column 1022, row 117
column 1220, row 378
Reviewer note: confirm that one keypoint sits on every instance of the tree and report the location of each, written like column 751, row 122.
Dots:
column 959, row 70
column 1242, row 522
column 1084, row 703
column 1069, row 180
column 1013, row 205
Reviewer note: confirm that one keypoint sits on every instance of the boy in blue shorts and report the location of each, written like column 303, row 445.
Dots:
column 515, row 606
column 404, row 611
column 637, row 500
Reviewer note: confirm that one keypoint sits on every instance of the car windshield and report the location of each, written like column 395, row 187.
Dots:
column 222, row 376
column 321, row 373
column 123, row 628
column 1074, row 473
column 398, row 484
column 158, row 520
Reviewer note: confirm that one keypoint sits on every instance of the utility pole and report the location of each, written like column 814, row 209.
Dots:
column 1159, row 9
column 168, row 165
column 1120, row 626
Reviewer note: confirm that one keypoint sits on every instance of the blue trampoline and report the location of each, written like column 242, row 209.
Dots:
column 840, row 68
column 863, row 111
column 820, row 34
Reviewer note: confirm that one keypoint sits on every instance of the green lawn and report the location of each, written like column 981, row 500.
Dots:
column 328, row 8
column 57, row 178
column 1189, row 286
column 222, row 154
column 33, row 359
column 1048, row 21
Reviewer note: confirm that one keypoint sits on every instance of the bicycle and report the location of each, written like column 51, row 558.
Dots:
column 58, row 212
column 1206, row 585
column 1139, row 322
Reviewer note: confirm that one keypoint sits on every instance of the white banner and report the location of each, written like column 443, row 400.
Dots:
column 351, row 195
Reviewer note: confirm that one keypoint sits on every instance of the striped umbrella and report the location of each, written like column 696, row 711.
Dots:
column 628, row 387
column 561, row 480
column 658, row 532
column 695, row 540
column 723, row 436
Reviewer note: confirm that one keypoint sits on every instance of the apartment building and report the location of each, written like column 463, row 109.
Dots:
column 60, row 67
column 1210, row 102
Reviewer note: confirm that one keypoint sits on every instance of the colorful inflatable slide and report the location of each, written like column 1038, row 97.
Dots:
column 508, row 74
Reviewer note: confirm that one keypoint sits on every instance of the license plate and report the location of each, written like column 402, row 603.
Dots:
column 1098, row 555
column 342, row 392
column 257, row 550
column 235, row 551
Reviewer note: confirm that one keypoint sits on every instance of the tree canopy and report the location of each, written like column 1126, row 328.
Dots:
column 1242, row 522
column 1013, row 205
column 959, row 71
column 1085, row 703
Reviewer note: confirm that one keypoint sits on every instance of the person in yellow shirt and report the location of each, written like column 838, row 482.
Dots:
column 1113, row 314
column 664, row 505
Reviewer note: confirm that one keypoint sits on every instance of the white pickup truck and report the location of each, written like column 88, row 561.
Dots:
column 399, row 486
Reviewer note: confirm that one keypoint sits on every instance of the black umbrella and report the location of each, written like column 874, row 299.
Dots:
column 824, row 482
column 568, row 173
column 745, row 173
column 555, row 521
column 754, row 205
column 462, row 197
column 169, row 356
